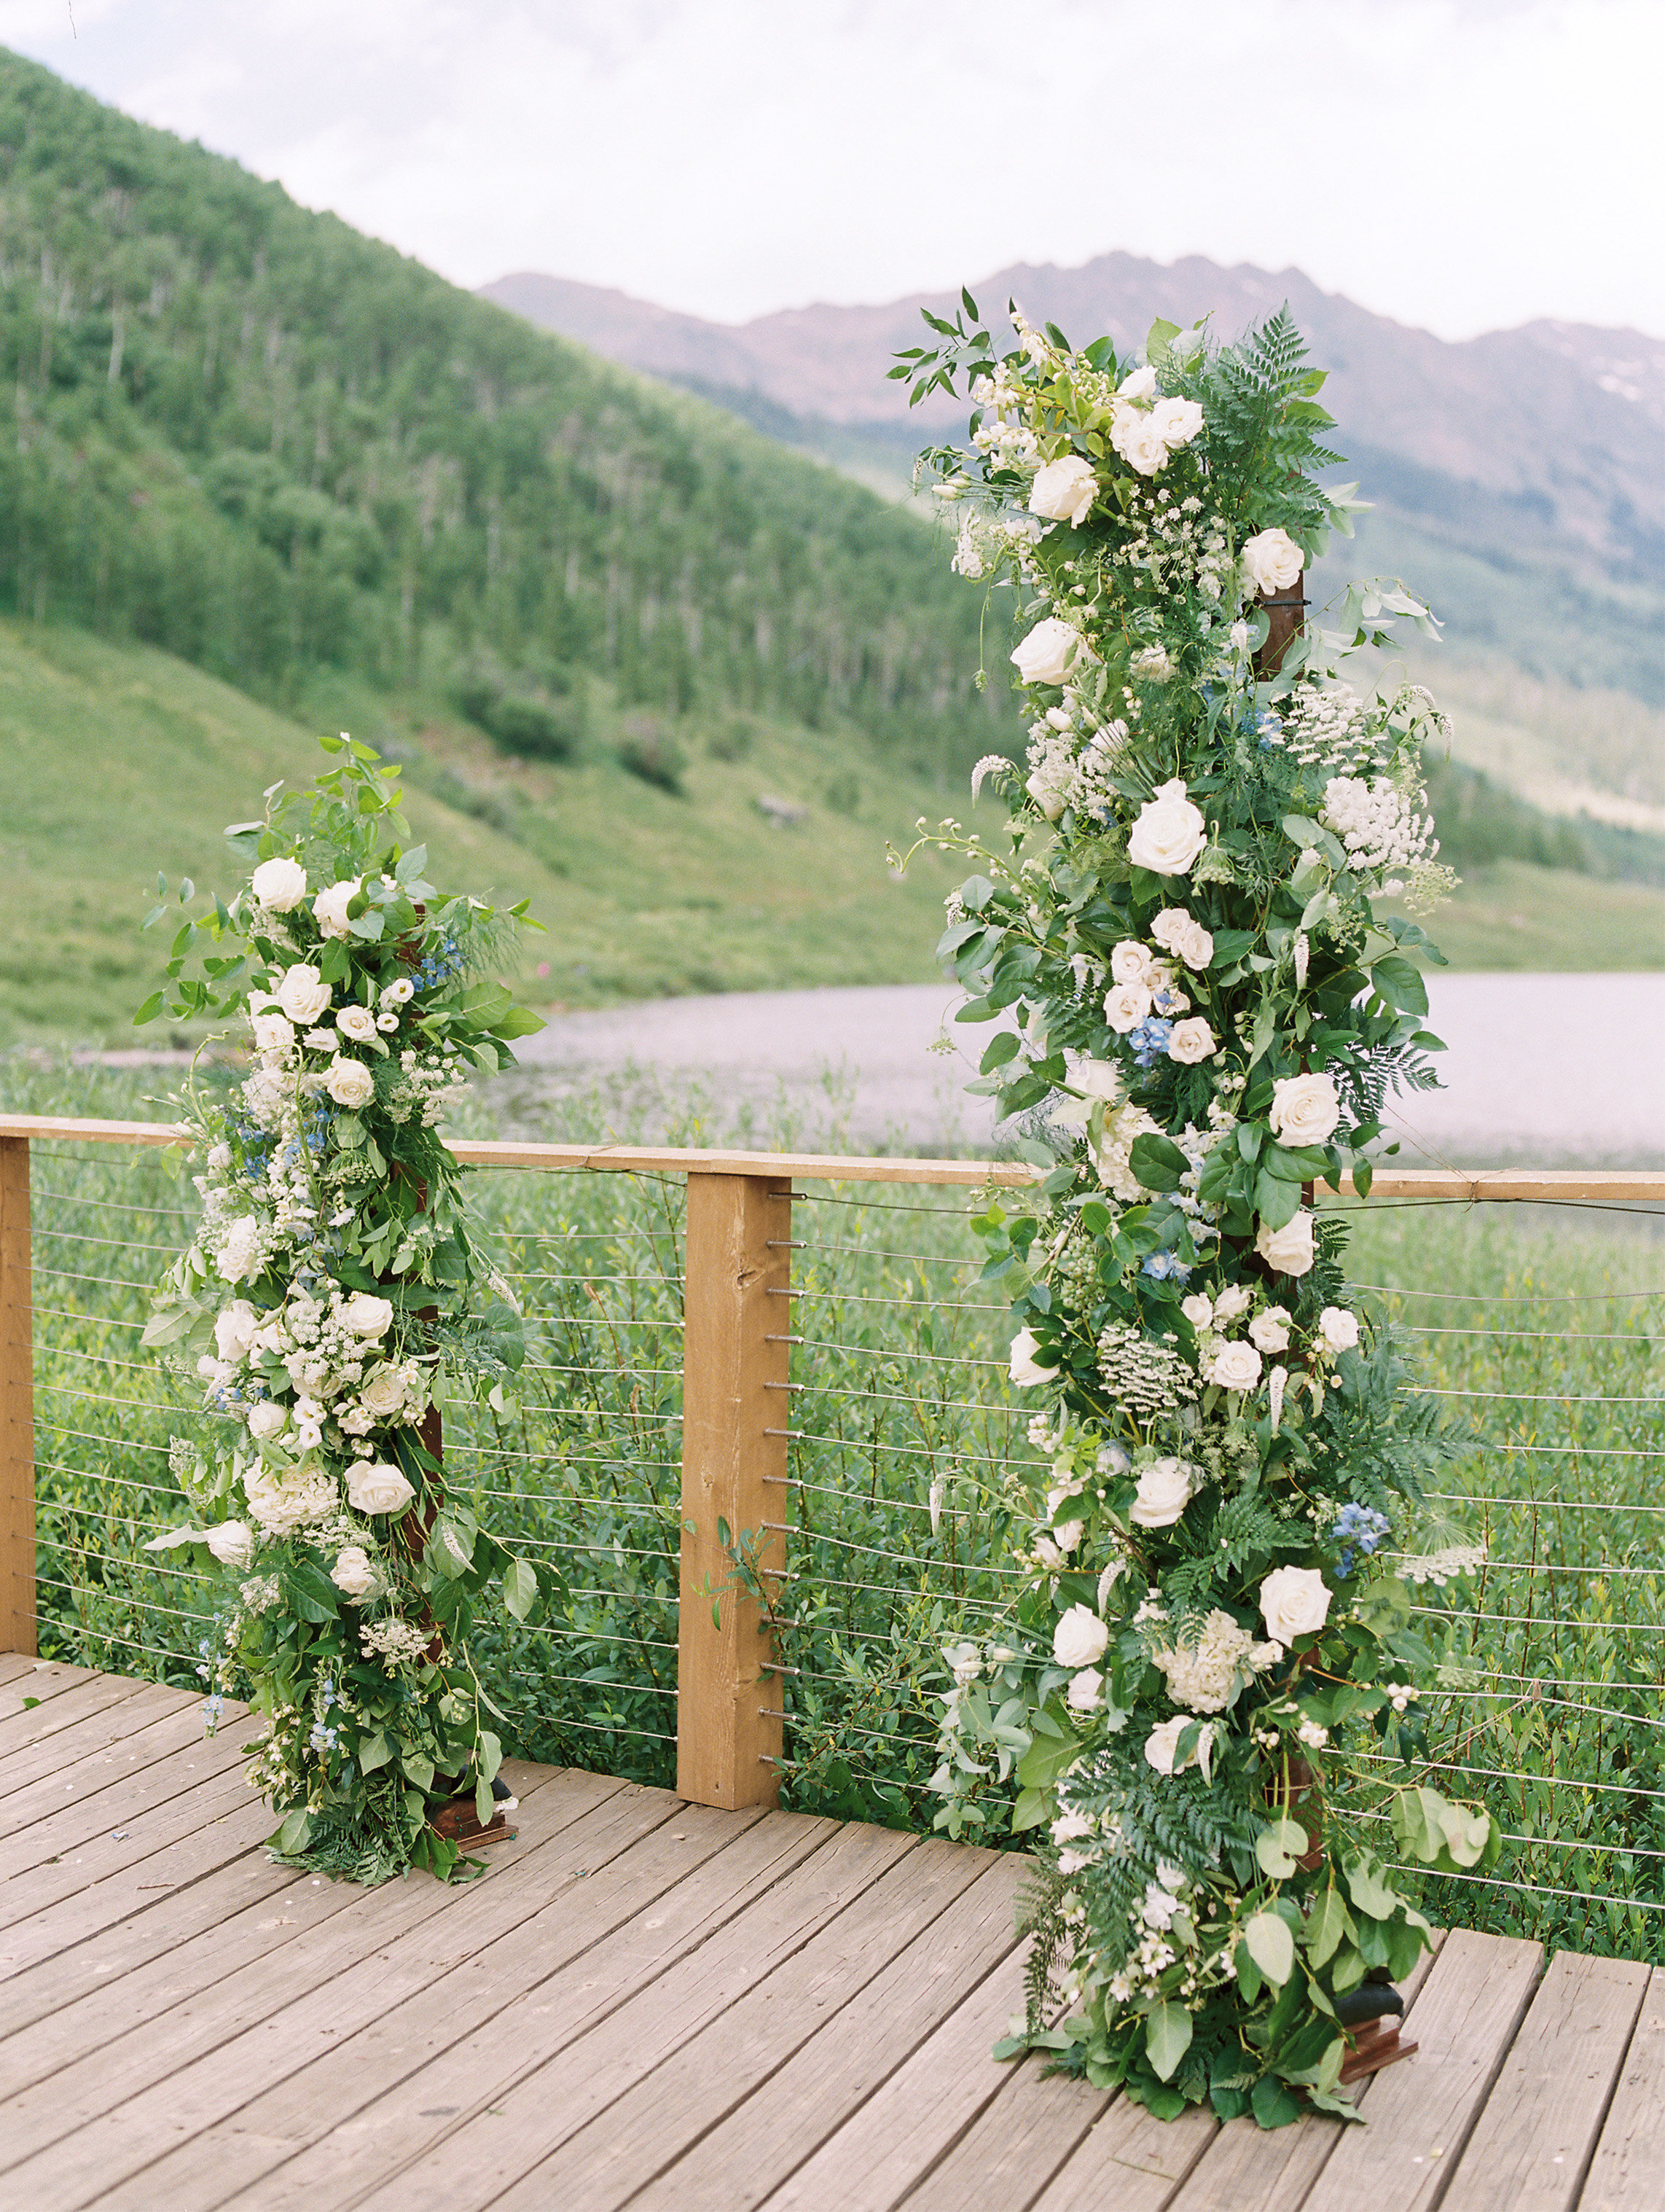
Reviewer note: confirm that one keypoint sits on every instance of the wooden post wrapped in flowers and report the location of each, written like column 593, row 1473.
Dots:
column 332, row 1295
column 1227, row 1556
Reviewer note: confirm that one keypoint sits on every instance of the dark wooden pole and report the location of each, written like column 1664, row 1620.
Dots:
column 1284, row 613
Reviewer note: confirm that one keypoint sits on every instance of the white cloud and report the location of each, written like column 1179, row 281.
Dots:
column 1459, row 163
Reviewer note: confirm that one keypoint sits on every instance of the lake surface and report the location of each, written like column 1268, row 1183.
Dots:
column 1545, row 1070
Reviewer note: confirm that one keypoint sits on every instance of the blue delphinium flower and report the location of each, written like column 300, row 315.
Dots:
column 1150, row 1039
column 1359, row 1529
column 1164, row 1267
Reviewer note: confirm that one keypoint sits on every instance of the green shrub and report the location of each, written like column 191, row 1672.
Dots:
column 646, row 750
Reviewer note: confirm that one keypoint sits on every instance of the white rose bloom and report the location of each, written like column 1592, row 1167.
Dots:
column 239, row 1254
column 383, row 1393
column 1025, row 1369
column 1169, row 832
column 357, row 1023
column 365, row 1315
column 1130, row 963
column 1294, row 1602
column 1164, row 1492
column 1198, row 1308
column 1289, row 1249
column 1140, row 444
column 233, row 1329
column 1235, row 1367
column 279, row 885
column 1079, row 1637
column 330, row 909
column 302, row 994
column 1177, row 421
column 1086, row 1694
column 273, row 1033
column 1270, row 1329
column 1140, row 384
column 349, row 1082
column 1338, row 1328
column 377, row 1486
column 233, row 1541
column 268, row 1419
column 1046, row 654
column 1271, row 560
column 1192, row 1042
column 1066, row 1535
column 352, row 1573
column 1163, row 1742
column 1064, row 491
column 1125, row 1006
column 1098, row 1078
column 398, row 993
column 1183, row 935
column 1305, row 1108
column 1229, row 1303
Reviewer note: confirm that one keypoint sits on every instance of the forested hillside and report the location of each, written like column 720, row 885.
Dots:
column 247, row 433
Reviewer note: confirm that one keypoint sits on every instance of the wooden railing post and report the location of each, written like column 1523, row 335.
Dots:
column 16, row 1403
column 728, row 1704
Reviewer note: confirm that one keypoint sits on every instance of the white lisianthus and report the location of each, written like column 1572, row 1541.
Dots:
column 1270, row 1329
column 1086, row 1694
column 1338, row 1328
column 302, row 994
column 1289, row 1249
column 273, row 1033
column 1183, row 935
column 1271, row 560
column 1228, row 1303
column 1079, row 1637
column 239, row 1254
column 233, row 1329
column 1305, row 1108
column 1176, row 422
column 1025, row 1369
column 349, row 1082
column 279, row 885
column 1234, row 1366
column 1169, row 832
column 1064, row 491
column 268, row 1419
column 330, row 909
column 382, row 1394
column 378, row 1487
column 365, row 1315
column 357, row 1023
column 352, row 1573
column 398, row 993
column 1049, row 653
column 1125, row 1006
column 232, row 1542
column 1163, row 1493
column 1198, row 1308
column 1130, row 963
column 1192, row 1042
column 1294, row 1602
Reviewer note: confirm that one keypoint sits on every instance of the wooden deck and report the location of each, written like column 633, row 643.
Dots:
column 652, row 2003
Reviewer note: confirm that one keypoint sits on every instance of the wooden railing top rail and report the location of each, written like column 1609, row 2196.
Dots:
column 1487, row 1186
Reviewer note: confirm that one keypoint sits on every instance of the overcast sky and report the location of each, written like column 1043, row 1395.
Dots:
column 1460, row 164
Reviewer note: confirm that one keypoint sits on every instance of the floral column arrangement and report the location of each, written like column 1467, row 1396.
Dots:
column 331, row 1296
column 1200, row 1010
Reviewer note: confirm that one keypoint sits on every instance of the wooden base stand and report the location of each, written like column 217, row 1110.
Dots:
column 459, row 1824
column 1371, row 2047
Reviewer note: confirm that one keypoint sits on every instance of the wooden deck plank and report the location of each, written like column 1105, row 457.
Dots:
column 734, row 2166
column 1016, row 2143
column 103, row 2118
column 345, row 2122
column 22, row 1678
column 113, row 1802
column 1130, row 2160
column 1628, row 2171
column 23, row 1723
column 1533, row 2141
column 14, row 1664
column 530, row 2109
column 142, row 1768
column 82, row 1722
column 1420, row 2114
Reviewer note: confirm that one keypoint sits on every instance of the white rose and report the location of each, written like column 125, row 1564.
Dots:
column 1289, row 1249
column 1294, row 1602
column 349, row 1082
column 1270, row 1329
column 1045, row 655
column 1164, row 1492
column 352, row 1573
column 1139, row 383
column 1192, row 1042
column 1235, row 1367
column 1140, row 444
column 1229, row 1303
column 273, row 1033
column 1198, row 1308
column 1169, row 832
column 1338, row 1328
column 1272, row 561
column 1184, row 936
column 357, row 1023
column 1305, row 1108
column 1086, row 1694
column 1098, row 1078
column 330, row 909
column 398, row 993
column 232, row 1542
column 1163, row 1742
column 233, row 1329
column 1025, row 1369
column 365, row 1315
column 1066, row 1535
column 1064, row 491
column 279, row 885
column 383, row 1395
column 1125, row 1006
column 239, row 1254
column 1177, row 421
column 302, row 994
column 268, row 1419
column 377, row 1486
column 1079, row 1637
column 1130, row 963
